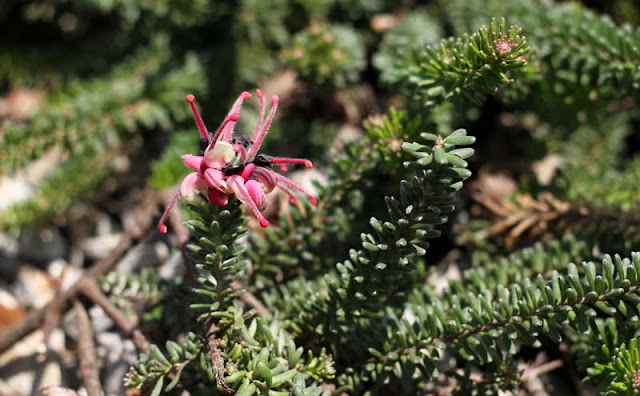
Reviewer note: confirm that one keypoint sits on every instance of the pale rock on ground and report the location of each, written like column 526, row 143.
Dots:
column 100, row 321
column 117, row 355
column 14, row 190
column 20, row 187
column 55, row 391
column 98, row 247
column 146, row 254
column 7, row 299
column 173, row 267
column 64, row 274
column 22, row 373
column 33, row 287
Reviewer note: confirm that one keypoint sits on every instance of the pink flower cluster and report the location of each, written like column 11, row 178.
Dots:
column 230, row 165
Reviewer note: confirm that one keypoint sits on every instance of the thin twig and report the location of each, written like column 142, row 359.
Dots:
column 50, row 320
column 89, row 367
column 546, row 367
column 251, row 301
column 216, row 358
column 532, row 371
column 90, row 289
column 135, row 230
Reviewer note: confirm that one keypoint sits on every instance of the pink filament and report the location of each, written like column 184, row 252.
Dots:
column 230, row 118
column 293, row 185
column 292, row 198
column 261, row 116
column 196, row 114
column 235, row 109
column 284, row 160
column 239, row 186
column 161, row 226
column 258, row 137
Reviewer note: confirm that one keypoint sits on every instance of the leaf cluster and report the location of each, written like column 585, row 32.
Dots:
column 259, row 354
column 327, row 54
column 471, row 65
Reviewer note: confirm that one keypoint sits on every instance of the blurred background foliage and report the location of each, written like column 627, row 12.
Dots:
column 92, row 108
column 100, row 84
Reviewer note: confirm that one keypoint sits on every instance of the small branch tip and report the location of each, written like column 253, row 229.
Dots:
column 275, row 99
column 313, row 200
column 234, row 117
column 190, row 98
column 308, row 164
column 264, row 223
column 162, row 228
column 245, row 95
column 259, row 93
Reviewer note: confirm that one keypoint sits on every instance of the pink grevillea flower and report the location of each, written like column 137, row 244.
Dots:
column 230, row 165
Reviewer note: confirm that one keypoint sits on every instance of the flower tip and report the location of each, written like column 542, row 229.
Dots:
column 313, row 200
column 293, row 200
column 190, row 98
column 308, row 164
column 264, row 223
column 275, row 99
column 234, row 117
column 259, row 93
column 245, row 95
column 162, row 228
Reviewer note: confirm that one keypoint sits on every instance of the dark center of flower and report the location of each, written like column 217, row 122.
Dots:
column 204, row 143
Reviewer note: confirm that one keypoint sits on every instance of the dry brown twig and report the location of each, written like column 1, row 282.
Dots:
column 89, row 367
column 137, row 224
column 90, row 289
column 526, row 216
column 531, row 372
column 217, row 362
column 532, row 217
column 50, row 320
